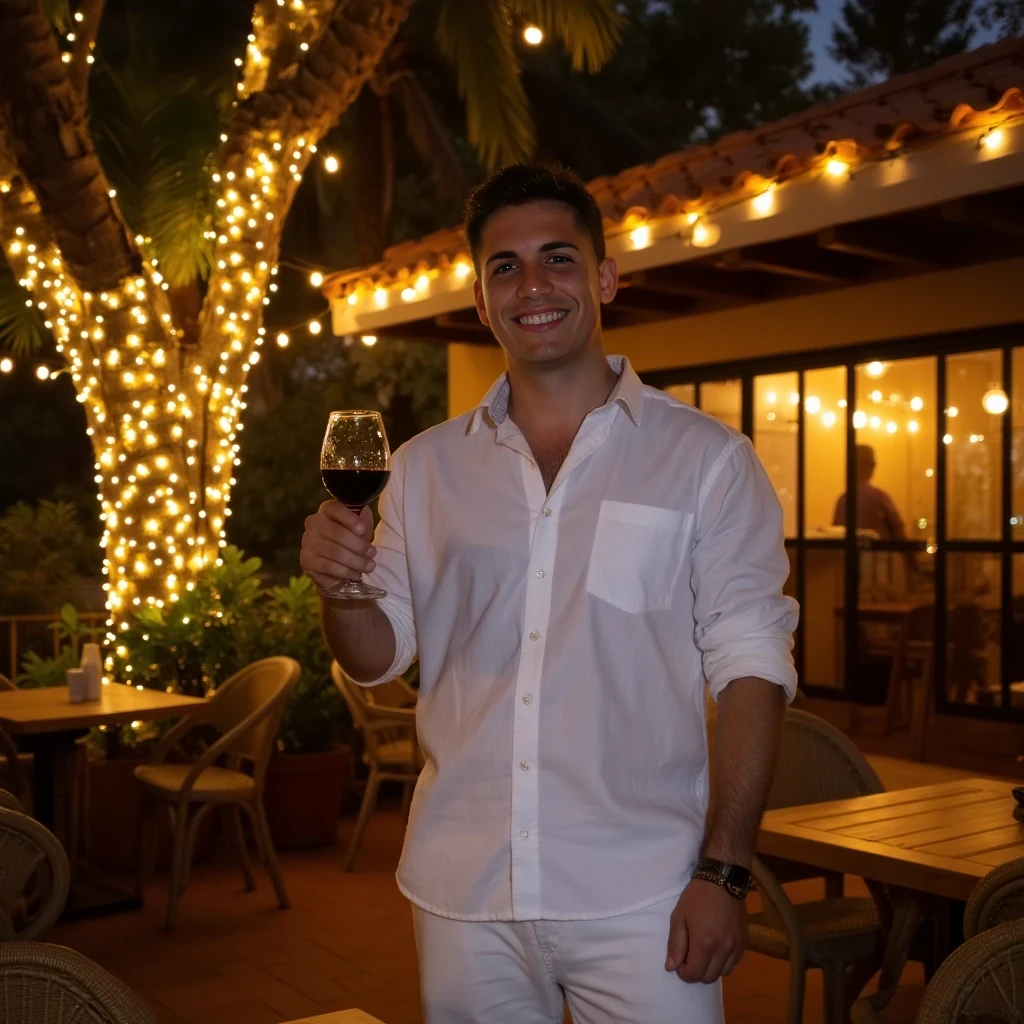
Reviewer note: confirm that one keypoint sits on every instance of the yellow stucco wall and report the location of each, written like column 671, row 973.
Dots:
column 952, row 300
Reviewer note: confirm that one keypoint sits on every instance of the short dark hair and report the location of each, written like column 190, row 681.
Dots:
column 518, row 184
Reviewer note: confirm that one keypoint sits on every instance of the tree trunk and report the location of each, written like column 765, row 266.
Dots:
column 162, row 380
column 369, row 180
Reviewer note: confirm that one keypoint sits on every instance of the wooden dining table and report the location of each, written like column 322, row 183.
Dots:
column 927, row 844
column 47, row 724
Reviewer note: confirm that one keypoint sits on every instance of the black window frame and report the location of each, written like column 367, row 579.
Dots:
column 1005, row 338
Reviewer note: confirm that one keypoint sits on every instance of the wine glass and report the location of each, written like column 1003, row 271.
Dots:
column 355, row 464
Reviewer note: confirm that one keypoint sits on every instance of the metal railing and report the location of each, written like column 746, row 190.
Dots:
column 13, row 622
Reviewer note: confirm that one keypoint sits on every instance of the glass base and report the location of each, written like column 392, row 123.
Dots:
column 355, row 590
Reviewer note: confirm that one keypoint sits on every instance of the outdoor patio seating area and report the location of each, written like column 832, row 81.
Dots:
column 347, row 940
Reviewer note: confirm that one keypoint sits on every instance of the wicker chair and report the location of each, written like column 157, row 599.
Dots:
column 246, row 711
column 46, row 984
column 15, row 767
column 996, row 899
column 34, row 877
column 839, row 934
column 389, row 734
column 10, row 802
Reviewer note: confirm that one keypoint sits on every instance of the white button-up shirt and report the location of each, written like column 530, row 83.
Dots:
column 564, row 640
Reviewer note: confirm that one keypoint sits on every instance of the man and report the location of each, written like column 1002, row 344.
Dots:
column 571, row 560
column 875, row 509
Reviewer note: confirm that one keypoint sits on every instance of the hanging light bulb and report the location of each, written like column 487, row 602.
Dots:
column 283, row 339
column 315, row 327
column 995, row 401
column 533, row 35
column 43, row 372
column 6, row 365
column 369, row 340
column 316, row 279
column 331, row 163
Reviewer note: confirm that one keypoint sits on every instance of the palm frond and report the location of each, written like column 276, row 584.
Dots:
column 476, row 38
column 430, row 136
column 22, row 331
column 589, row 30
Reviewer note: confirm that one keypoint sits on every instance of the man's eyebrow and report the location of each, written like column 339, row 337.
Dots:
column 509, row 254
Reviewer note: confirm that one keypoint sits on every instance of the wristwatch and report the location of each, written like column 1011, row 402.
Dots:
column 731, row 877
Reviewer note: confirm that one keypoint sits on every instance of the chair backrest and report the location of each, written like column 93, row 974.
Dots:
column 982, row 982
column 395, row 693
column 378, row 724
column 255, row 695
column 10, row 802
column 42, row 983
column 16, row 780
column 816, row 763
column 996, row 899
column 34, row 877
column 5, row 683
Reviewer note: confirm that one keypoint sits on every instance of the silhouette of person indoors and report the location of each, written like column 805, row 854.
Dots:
column 876, row 511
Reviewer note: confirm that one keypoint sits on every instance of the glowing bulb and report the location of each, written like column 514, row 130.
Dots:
column 6, row 365
column 876, row 369
column 891, row 427
column 408, row 294
column 952, row 412
column 369, row 340
column 640, row 237
column 462, row 269
column 315, row 327
column 813, row 404
column 43, row 372
column 331, row 164
column 837, row 168
column 422, row 283
column 995, row 402
column 947, row 438
column 764, row 203
column 828, row 419
column 283, row 339
column 705, row 235
column 993, row 141
column 316, row 279
column 353, row 299
column 913, row 426
column 380, row 296
column 875, row 422
column 860, row 420
column 532, row 35
column 917, row 404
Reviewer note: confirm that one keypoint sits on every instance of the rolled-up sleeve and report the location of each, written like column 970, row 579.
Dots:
column 743, row 623
column 392, row 571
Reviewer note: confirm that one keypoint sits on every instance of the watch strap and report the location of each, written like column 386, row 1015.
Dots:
column 735, row 880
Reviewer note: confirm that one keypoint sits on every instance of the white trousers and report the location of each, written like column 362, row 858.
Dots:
column 610, row 971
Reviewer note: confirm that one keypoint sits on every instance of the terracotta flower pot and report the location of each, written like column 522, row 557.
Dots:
column 303, row 794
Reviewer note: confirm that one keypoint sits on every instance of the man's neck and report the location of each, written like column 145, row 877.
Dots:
column 558, row 398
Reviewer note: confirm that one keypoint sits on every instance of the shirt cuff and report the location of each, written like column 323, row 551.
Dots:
column 758, row 657
column 405, row 640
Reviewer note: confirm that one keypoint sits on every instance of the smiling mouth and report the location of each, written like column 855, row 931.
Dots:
column 535, row 319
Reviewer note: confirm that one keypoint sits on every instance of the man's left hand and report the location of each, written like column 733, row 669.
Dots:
column 707, row 934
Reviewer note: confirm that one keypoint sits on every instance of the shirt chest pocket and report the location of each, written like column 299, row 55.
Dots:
column 638, row 555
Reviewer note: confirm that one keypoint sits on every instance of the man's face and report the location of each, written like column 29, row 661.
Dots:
column 541, row 287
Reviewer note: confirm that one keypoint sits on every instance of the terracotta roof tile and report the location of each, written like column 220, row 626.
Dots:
column 969, row 91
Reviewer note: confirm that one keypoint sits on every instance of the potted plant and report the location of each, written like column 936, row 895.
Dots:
column 312, row 769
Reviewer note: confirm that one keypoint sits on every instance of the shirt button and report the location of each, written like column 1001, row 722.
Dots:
column 524, row 766
column 546, row 511
column 524, row 834
column 540, row 574
column 535, row 635
column 527, row 698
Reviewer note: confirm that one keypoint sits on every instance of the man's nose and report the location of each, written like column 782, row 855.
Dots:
column 533, row 282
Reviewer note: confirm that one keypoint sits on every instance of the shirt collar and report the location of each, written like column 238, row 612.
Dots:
column 628, row 392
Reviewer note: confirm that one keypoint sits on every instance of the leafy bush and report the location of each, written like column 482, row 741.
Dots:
column 44, row 552
column 39, row 672
column 228, row 620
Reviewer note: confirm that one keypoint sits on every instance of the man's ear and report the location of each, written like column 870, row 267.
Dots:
column 608, row 278
column 481, row 309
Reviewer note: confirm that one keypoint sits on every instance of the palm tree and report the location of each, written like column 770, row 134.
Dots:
column 149, row 247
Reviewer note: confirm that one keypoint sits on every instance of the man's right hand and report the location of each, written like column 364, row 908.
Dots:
column 336, row 545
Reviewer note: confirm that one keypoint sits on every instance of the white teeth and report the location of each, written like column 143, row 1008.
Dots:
column 541, row 318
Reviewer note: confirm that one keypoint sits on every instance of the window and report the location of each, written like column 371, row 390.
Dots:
column 723, row 399
column 824, row 449
column 973, row 438
column 776, row 405
column 924, row 564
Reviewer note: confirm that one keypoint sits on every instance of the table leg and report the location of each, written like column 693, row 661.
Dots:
column 50, row 750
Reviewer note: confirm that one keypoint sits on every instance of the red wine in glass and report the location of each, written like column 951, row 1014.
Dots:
column 355, row 464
